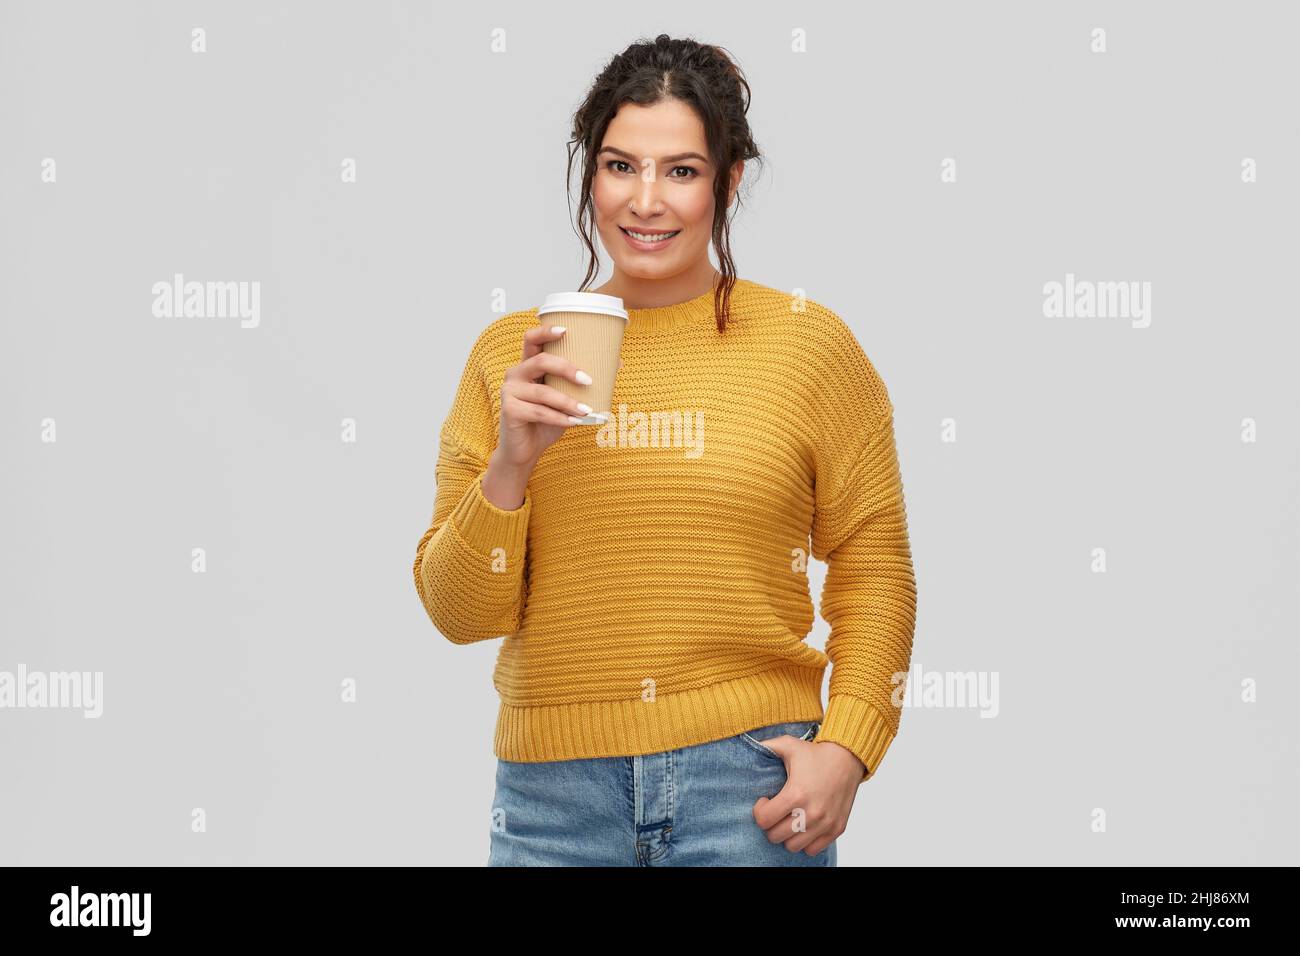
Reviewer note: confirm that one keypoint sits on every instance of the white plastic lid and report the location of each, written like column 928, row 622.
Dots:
column 584, row 302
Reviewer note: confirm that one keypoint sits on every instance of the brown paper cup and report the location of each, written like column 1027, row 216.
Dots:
column 593, row 338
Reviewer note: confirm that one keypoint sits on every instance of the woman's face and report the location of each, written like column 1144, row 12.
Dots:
column 653, row 177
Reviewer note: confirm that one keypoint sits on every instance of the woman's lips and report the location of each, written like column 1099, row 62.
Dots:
column 642, row 246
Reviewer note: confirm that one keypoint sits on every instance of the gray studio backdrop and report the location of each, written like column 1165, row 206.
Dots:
column 217, row 515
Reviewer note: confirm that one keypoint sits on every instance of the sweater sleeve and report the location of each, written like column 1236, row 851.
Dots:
column 860, row 531
column 470, row 564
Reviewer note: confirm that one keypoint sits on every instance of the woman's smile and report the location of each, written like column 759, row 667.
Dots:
column 648, row 240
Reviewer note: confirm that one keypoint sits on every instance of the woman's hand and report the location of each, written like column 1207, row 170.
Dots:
column 535, row 415
column 813, row 807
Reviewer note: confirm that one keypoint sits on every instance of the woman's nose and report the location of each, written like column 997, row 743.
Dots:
column 646, row 199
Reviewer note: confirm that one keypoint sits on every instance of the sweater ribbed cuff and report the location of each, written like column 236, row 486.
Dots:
column 859, row 727
column 484, row 526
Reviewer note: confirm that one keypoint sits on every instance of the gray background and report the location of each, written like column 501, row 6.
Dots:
column 1118, row 691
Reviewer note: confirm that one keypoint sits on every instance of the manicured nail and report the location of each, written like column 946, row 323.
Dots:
column 557, row 329
column 583, row 377
column 584, row 408
column 574, row 421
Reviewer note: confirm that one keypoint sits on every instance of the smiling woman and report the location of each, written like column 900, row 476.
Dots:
column 659, row 703
column 658, row 182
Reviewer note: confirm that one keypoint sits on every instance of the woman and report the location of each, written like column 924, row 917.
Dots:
column 658, row 703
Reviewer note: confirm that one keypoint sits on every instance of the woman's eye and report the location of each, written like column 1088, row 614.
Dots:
column 614, row 164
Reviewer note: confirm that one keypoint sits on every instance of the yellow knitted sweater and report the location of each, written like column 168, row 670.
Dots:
column 652, row 589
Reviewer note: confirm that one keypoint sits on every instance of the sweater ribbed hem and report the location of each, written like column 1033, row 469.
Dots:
column 857, row 725
column 625, row 728
column 484, row 526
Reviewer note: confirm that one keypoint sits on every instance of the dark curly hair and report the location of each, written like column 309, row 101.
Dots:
column 698, row 74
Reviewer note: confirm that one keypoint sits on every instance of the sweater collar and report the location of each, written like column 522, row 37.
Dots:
column 692, row 311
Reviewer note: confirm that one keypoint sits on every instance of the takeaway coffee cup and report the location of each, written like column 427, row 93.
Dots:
column 593, row 336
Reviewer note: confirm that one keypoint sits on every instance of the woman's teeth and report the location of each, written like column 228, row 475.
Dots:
column 657, row 238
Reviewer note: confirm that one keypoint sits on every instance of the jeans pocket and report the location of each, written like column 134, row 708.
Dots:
column 803, row 729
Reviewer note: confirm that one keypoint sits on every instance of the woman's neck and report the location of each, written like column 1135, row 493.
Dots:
column 655, row 293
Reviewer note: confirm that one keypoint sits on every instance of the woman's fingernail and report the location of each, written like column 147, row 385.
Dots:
column 583, row 377
column 584, row 408
column 557, row 329
column 574, row 421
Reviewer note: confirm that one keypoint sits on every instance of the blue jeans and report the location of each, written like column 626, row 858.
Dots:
column 688, row 807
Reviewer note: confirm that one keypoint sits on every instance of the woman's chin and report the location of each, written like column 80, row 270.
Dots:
column 638, row 268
